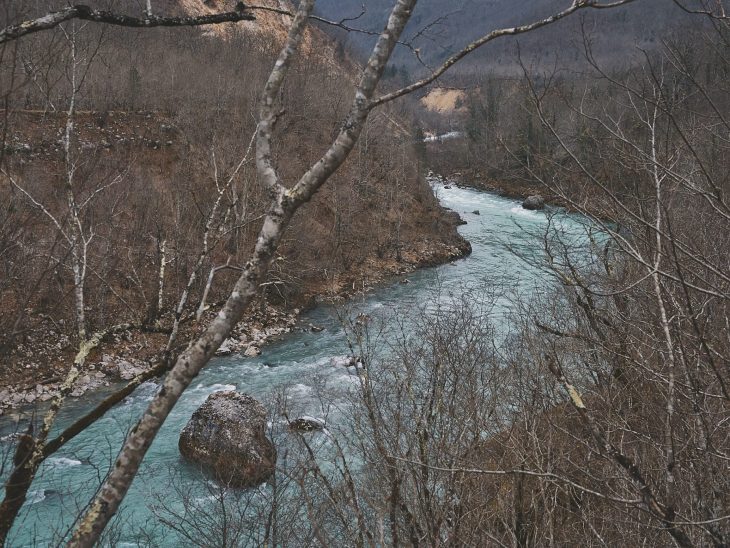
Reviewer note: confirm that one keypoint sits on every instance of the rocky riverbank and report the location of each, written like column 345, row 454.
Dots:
column 508, row 189
column 522, row 191
column 40, row 363
column 130, row 353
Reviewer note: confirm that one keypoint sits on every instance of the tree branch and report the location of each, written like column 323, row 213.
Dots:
column 632, row 470
column 189, row 364
column 451, row 61
column 281, row 210
column 85, row 13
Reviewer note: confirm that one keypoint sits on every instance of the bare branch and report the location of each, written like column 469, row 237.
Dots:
column 520, row 472
column 717, row 13
column 576, row 6
column 39, row 205
column 209, row 284
column 85, row 13
column 649, row 498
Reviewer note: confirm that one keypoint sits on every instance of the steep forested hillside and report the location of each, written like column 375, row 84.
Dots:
column 160, row 157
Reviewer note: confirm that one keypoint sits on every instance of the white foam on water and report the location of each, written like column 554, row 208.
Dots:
column 205, row 500
column 63, row 462
column 349, row 379
column 341, row 361
column 34, row 497
column 211, row 388
column 144, row 393
column 519, row 210
column 300, row 389
column 222, row 388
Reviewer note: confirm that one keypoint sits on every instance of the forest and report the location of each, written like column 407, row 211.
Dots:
column 253, row 295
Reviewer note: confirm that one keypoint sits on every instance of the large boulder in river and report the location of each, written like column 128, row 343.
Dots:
column 226, row 435
column 534, row 202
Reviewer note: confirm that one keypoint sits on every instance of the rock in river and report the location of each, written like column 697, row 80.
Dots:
column 534, row 202
column 226, row 435
column 306, row 424
column 252, row 351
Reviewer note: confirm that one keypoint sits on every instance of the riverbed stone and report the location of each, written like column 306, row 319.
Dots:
column 534, row 202
column 227, row 437
column 252, row 351
column 128, row 370
column 226, row 348
column 306, row 424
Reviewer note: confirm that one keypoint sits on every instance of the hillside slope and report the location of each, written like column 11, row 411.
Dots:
column 155, row 137
column 444, row 27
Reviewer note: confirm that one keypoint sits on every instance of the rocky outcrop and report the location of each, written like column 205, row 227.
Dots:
column 252, row 351
column 453, row 218
column 226, row 435
column 348, row 361
column 122, row 361
column 226, row 348
column 306, row 424
column 124, row 369
column 534, row 202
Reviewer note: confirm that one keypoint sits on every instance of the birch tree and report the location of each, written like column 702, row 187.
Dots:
column 285, row 200
column 77, row 231
column 29, row 461
column 644, row 366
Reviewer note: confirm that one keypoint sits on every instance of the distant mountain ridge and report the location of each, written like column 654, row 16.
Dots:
column 619, row 34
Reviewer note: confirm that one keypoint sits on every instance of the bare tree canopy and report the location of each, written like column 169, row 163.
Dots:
column 606, row 398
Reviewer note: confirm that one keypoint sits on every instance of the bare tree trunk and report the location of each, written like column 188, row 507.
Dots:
column 671, row 492
column 29, row 458
column 79, row 243
column 284, row 203
column 161, row 276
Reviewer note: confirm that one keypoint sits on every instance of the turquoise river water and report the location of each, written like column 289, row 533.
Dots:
column 67, row 480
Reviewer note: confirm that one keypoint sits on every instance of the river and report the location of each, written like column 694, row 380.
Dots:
column 67, row 480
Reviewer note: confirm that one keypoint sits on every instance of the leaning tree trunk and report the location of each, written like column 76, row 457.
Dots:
column 285, row 203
